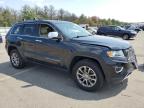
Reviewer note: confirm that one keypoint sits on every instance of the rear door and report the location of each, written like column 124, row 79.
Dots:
column 116, row 31
column 28, row 36
column 113, row 31
column 14, row 37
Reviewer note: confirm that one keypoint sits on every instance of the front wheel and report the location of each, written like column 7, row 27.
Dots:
column 88, row 75
column 16, row 59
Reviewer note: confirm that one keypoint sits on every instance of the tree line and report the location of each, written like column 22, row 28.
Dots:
column 9, row 16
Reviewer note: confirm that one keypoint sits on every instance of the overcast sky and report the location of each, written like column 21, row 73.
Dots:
column 123, row 10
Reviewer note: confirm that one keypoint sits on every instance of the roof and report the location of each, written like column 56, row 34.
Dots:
column 49, row 21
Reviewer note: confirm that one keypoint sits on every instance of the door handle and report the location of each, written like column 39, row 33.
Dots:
column 38, row 40
column 19, row 38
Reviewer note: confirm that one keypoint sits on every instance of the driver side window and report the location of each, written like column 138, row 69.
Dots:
column 44, row 30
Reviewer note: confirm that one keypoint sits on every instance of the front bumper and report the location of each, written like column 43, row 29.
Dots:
column 133, row 35
column 127, row 70
column 111, row 75
column 119, row 69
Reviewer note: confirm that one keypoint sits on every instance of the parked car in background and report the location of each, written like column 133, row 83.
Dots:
column 91, row 60
column 1, row 40
column 142, row 27
column 116, row 31
column 132, row 27
column 96, row 28
column 85, row 26
column 91, row 30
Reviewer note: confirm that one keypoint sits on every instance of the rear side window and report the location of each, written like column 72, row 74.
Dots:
column 29, row 29
column 17, row 29
column 102, row 28
column 112, row 28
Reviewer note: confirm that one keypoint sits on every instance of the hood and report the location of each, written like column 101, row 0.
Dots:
column 131, row 31
column 110, row 42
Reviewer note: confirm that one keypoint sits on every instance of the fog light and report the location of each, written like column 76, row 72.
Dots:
column 119, row 69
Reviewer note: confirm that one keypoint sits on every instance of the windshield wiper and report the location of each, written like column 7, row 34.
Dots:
column 82, row 36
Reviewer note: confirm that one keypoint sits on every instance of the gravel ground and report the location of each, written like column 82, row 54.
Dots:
column 45, row 87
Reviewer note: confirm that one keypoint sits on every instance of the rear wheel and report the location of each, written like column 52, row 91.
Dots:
column 16, row 59
column 88, row 75
column 125, row 36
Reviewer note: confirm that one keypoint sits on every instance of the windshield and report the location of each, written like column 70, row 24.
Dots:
column 72, row 30
column 121, row 28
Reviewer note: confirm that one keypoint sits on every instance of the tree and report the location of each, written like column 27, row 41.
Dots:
column 73, row 17
column 38, row 12
column 28, row 13
column 51, row 12
column 9, row 16
column 61, row 13
column 45, row 12
column 83, row 19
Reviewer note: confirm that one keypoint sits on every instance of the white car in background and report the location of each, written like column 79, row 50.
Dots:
column 92, row 30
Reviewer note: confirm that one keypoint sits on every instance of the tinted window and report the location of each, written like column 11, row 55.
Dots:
column 17, row 29
column 104, row 28
column 45, row 29
column 111, row 27
column 29, row 29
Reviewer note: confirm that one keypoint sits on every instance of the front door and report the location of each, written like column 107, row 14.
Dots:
column 49, row 50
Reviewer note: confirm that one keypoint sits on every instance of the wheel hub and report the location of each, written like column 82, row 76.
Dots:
column 86, row 76
column 15, row 59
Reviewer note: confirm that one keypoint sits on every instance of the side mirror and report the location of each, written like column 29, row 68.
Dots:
column 52, row 35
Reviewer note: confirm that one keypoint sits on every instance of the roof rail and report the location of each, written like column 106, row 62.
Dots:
column 30, row 19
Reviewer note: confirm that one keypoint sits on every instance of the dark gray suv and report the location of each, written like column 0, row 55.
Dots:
column 90, row 59
column 117, row 31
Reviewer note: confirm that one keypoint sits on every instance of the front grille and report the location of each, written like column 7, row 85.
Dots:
column 130, row 54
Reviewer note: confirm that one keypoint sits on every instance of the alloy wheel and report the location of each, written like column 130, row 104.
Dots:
column 86, row 76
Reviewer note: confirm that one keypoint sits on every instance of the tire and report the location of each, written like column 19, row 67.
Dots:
column 137, row 31
column 85, row 82
column 100, row 33
column 125, row 37
column 16, row 59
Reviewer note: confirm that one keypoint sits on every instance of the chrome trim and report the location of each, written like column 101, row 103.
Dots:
column 50, row 59
column 119, row 71
column 38, row 41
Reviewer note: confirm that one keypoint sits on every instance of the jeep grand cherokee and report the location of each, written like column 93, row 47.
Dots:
column 91, row 59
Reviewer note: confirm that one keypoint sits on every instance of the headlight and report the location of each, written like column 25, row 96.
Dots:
column 118, row 53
